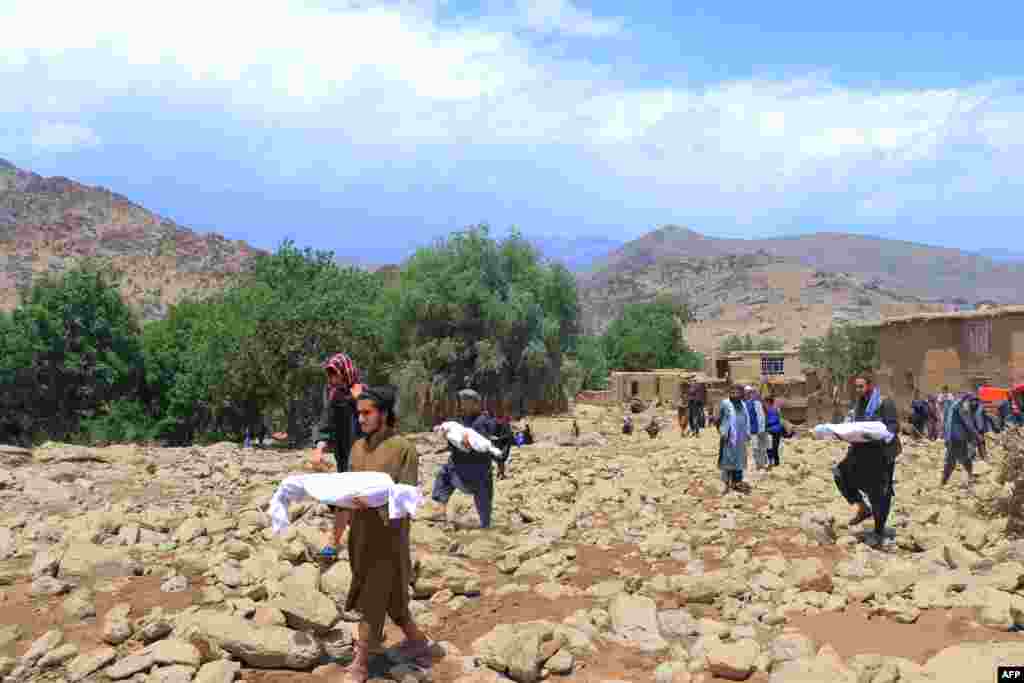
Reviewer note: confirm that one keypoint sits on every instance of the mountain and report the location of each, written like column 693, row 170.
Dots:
column 933, row 273
column 46, row 224
column 789, row 287
column 1003, row 255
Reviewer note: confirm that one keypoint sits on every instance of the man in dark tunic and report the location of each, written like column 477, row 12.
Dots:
column 470, row 472
column 870, row 467
column 338, row 427
column 378, row 548
column 697, row 396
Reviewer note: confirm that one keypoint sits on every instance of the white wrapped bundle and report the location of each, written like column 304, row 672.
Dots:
column 855, row 432
column 339, row 490
column 455, row 432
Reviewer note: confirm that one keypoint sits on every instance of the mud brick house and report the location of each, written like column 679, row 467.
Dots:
column 963, row 350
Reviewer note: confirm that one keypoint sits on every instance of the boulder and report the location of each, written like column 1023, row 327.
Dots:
column 85, row 665
column 221, row 671
column 265, row 647
column 635, row 621
column 303, row 605
column 732, row 661
column 85, row 560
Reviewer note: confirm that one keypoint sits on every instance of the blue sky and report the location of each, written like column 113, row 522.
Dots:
column 368, row 127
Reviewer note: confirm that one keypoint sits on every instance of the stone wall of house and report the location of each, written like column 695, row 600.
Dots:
column 929, row 354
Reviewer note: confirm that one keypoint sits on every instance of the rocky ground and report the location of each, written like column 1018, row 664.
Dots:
column 612, row 559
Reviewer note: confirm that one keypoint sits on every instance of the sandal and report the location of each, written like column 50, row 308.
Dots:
column 328, row 553
column 861, row 516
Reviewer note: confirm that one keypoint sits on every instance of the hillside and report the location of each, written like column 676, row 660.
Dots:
column 755, row 294
column 931, row 273
column 46, row 224
column 791, row 287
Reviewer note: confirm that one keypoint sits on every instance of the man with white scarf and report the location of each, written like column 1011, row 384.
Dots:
column 734, row 431
column 870, row 467
column 759, row 436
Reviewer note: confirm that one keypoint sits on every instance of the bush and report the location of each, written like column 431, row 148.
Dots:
column 124, row 421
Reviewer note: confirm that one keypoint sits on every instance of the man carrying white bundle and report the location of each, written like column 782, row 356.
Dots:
column 460, row 436
column 467, row 472
column 869, row 466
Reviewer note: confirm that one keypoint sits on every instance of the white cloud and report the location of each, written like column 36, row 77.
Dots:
column 55, row 136
column 392, row 77
column 563, row 16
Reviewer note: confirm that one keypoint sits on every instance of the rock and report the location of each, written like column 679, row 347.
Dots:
column 58, row 656
column 519, row 650
column 336, row 580
column 79, row 605
column 825, row 666
column 303, row 605
column 190, row 530
column 130, row 665
column 733, row 661
column 47, row 585
column 672, row 672
column 635, row 620
column 175, row 584
column 45, row 643
column 155, row 630
column 791, row 646
column 46, row 563
column 221, row 671
column 810, row 574
column 9, row 635
column 116, row 627
column 85, row 665
column 561, row 663
column 172, row 674
column 265, row 647
column 86, row 560
column 677, row 623
column 172, row 651
column 269, row 616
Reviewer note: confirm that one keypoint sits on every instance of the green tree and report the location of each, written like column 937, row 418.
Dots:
column 842, row 353
column 471, row 309
column 590, row 356
column 735, row 342
column 650, row 335
column 75, row 342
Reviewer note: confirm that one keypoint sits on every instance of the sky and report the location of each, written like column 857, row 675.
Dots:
column 370, row 127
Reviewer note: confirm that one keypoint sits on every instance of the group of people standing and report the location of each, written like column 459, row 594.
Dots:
column 745, row 418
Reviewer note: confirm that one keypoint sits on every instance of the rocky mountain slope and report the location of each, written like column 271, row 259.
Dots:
column 931, row 273
column 48, row 223
column 756, row 294
column 612, row 558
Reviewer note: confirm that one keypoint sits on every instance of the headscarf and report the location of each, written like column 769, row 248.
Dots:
column 344, row 366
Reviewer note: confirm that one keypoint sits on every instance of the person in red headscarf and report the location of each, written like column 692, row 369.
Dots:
column 338, row 427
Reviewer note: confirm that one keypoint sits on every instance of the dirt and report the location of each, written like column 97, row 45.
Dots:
column 853, row 632
column 37, row 615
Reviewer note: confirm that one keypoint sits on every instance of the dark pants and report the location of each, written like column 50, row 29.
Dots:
column 957, row 452
column 773, row 450
column 476, row 479
column 696, row 416
column 871, row 471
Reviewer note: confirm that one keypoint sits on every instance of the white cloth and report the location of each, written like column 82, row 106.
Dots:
column 339, row 490
column 855, row 432
column 455, row 432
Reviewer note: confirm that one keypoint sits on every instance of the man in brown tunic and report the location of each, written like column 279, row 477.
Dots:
column 378, row 548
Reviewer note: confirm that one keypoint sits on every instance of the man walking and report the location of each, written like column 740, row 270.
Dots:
column 697, row 395
column 734, row 431
column 470, row 472
column 870, row 467
column 758, row 435
column 961, row 431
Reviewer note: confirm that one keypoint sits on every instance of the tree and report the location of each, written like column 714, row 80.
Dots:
column 650, row 335
column 491, row 313
column 735, row 342
column 590, row 356
column 75, row 342
column 842, row 353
